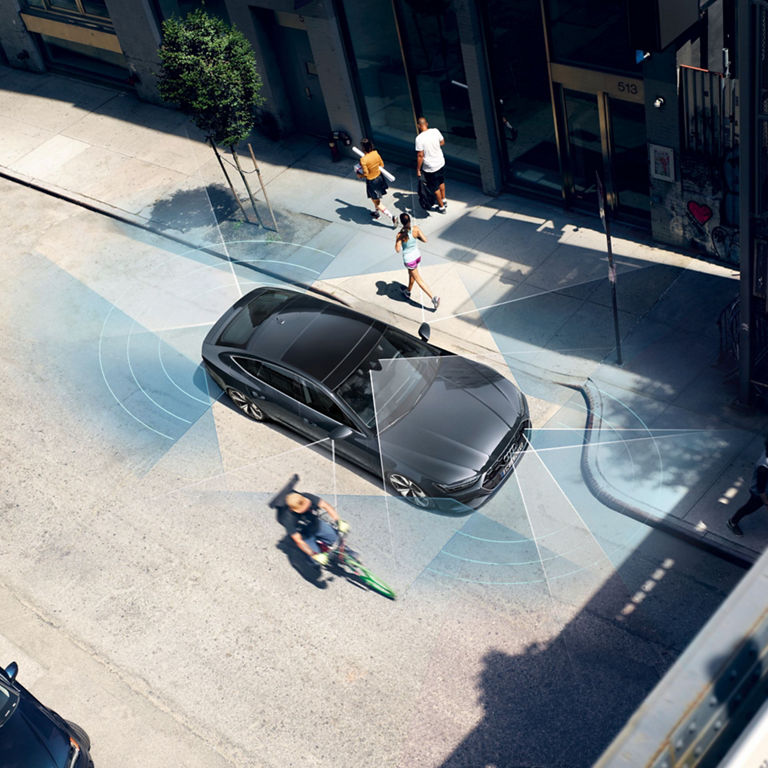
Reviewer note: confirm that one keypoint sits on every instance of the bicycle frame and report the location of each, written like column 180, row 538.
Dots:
column 347, row 559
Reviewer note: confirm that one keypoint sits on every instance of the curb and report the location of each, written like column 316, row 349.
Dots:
column 604, row 492
column 125, row 217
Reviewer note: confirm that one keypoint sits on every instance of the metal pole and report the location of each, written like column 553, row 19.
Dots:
column 247, row 185
column 746, row 31
column 611, row 266
column 226, row 176
column 263, row 188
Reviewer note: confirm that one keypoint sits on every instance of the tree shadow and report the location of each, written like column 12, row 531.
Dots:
column 197, row 208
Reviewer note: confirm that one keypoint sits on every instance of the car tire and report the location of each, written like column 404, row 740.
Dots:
column 80, row 735
column 409, row 490
column 246, row 405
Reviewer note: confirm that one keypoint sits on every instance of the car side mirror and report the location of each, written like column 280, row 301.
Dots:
column 12, row 670
column 340, row 433
column 424, row 331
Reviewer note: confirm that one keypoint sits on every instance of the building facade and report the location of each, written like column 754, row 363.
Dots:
column 538, row 97
column 534, row 96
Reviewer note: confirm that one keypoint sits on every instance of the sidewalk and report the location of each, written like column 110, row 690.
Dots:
column 526, row 283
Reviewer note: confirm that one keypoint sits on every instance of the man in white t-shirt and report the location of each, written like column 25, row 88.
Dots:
column 430, row 160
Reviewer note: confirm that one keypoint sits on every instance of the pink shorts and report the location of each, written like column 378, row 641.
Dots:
column 413, row 264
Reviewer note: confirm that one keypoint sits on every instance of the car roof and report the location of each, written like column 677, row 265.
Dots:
column 323, row 341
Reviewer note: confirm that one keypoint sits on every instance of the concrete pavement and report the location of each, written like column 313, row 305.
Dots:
column 135, row 519
column 667, row 442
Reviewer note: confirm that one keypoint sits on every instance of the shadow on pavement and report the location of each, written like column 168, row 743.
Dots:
column 194, row 208
column 560, row 703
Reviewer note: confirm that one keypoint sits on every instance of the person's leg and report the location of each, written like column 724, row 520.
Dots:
column 326, row 533
column 407, row 291
column 442, row 194
column 753, row 504
column 375, row 212
column 416, row 277
column 380, row 207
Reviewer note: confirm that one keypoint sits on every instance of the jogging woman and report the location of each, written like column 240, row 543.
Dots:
column 407, row 244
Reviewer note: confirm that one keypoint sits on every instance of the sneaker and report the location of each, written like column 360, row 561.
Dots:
column 435, row 301
column 445, row 203
column 734, row 527
column 394, row 221
column 441, row 209
column 374, row 214
column 406, row 292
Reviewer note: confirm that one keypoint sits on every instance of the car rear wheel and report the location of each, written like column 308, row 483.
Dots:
column 247, row 406
column 409, row 490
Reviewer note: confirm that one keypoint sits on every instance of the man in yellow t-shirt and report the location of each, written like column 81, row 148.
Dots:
column 375, row 183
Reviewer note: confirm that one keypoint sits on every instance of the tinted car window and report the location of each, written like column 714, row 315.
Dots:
column 251, row 316
column 249, row 365
column 319, row 401
column 280, row 382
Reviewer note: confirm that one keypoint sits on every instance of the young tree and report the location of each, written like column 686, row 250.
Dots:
column 209, row 72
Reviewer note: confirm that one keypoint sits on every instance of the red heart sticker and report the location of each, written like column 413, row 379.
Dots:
column 702, row 213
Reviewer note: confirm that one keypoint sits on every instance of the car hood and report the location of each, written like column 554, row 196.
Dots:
column 30, row 740
column 458, row 422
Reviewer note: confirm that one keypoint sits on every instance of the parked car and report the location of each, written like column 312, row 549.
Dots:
column 33, row 736
column 441, row 430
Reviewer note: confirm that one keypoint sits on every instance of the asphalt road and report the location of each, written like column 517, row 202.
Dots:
column 148, row 593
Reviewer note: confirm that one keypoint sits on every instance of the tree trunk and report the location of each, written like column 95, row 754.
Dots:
column 245, row 181
column 226, row 175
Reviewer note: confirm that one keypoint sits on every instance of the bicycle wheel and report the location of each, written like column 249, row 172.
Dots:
column 362, row 573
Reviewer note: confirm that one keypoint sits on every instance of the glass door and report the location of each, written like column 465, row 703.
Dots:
column 606, row 135
column 584, row 146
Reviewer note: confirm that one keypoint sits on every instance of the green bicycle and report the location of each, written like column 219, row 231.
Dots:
column 348, row 561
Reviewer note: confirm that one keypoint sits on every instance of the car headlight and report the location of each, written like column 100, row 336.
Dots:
column 459, row 485
column 74, row 753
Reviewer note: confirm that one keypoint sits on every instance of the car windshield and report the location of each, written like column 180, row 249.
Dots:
column 8, row 701
column 389, row 383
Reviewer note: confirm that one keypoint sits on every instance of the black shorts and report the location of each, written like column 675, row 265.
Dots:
column 376, row 188
column 434, row 179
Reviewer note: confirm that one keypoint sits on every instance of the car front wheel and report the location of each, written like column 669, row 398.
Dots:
column 247, row 406
column 409, row 490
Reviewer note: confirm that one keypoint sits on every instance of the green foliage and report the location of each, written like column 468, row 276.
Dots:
column 209, row 71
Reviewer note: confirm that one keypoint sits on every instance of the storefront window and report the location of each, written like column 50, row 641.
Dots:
column 68, row 55
column 381, row 71
column 409, row 64
column 521, row 89
column 96, row 8
column 591, row 33
column 432, row 49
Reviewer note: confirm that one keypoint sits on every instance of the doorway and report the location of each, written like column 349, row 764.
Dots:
column 289, row 41
column 602, row 130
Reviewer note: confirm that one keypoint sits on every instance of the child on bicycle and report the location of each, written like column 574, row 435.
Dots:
column 307, row 528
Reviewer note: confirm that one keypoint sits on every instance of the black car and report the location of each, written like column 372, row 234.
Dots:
column 33, row 736
column 442, row 430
